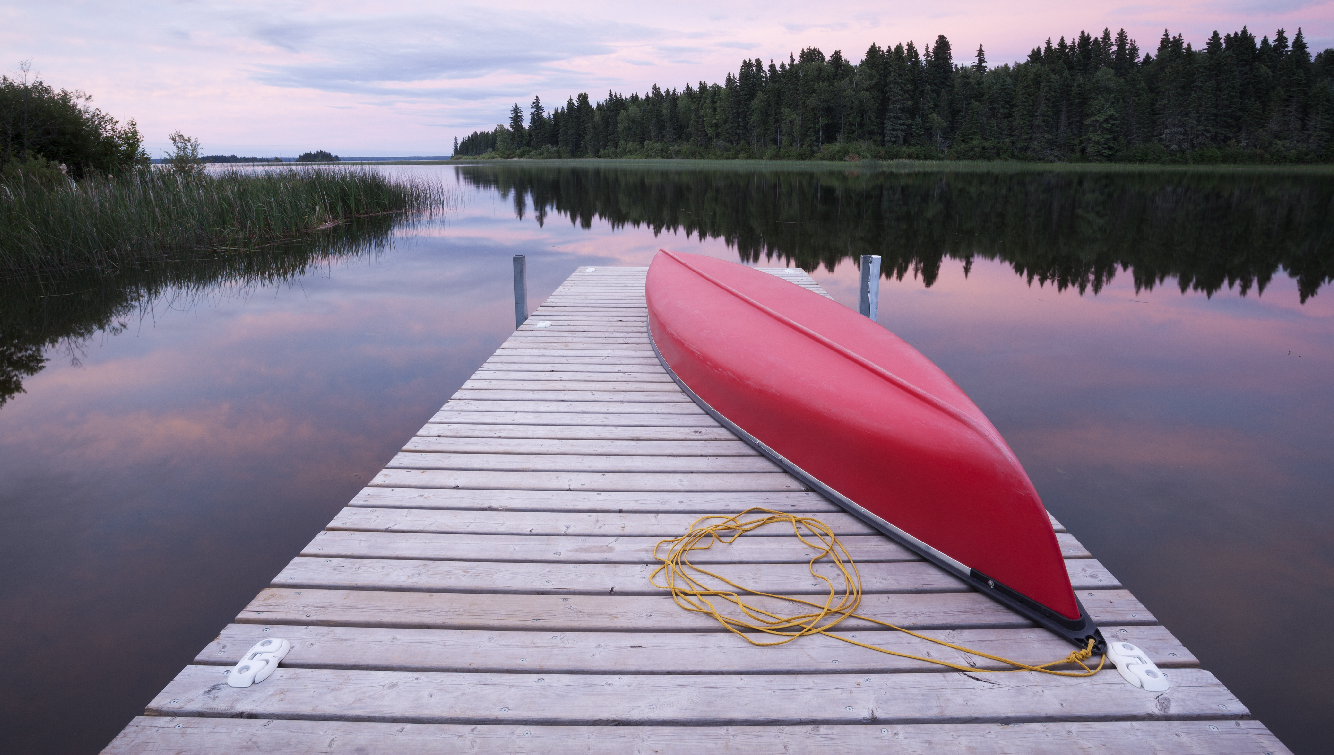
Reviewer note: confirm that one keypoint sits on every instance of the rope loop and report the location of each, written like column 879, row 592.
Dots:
column 690, row 590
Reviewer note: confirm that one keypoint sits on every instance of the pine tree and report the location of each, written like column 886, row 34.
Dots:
column 516, row 127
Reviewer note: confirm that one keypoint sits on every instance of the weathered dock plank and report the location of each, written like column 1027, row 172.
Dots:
column 550, row 462
column 574, row 500
column 216, row 735
column 685, row 700
column 683, row 444
column 603, row 524
column 629, row 613
column 608, row 481
column 512, row 418
column 489, row 590
column 625, row 579
column 541, row 548
column 655, row 653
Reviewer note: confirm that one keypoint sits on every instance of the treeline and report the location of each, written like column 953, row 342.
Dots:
column 318, row 156
column 227, row 159
column 1206, row 230
column 1093, row 99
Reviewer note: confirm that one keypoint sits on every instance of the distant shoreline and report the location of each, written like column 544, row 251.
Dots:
column 900, row 166
column 878, row 166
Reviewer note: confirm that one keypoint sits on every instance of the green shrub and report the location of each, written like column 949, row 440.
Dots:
column 37, row 170
column 64, row 128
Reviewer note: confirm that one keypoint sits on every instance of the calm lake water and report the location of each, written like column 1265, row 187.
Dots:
column 1158, row 349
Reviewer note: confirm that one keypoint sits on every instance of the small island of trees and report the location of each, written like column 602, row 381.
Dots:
column 1096, row 99
column 318, row 156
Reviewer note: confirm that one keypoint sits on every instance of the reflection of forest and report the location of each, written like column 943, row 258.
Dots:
column 39, row 312
column 1073, row 229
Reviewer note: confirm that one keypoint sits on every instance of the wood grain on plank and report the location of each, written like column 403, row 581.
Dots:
column 223, row 736
column 431, row 518
column 619, row 320
column 579, row 329
column 684, row 502
column 555, row 462
column 630, row 613
column 556, row 350
column 563, row 500
column 450, row 415
column 548, row 374
column 603, row 549
column 585, row 447
column 622, row 384
column 549, row 339
column 589, row 549
column 658, row 653
column 593, row 373
column 605, row 396
column 628, row 579
column 561, row 361
column 592, row 306
column 601, row 523
column 637, row 699
column 583, row 437
column 588, row 481
column 685, row 408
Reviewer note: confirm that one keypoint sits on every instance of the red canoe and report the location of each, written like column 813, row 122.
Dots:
column 864, row 418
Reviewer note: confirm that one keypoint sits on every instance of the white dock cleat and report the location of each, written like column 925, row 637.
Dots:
column 259, row 662
column 1135, row 667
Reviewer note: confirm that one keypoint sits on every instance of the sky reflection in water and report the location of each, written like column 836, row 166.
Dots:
column 152, row 489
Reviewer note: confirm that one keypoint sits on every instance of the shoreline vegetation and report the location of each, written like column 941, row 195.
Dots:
column 1096, row 99
column 77, row 192
column 154, row 214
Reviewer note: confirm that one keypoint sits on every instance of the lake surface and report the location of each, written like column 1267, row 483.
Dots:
column 1158, row 349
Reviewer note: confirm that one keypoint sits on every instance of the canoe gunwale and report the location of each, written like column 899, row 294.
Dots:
column 1078, row 632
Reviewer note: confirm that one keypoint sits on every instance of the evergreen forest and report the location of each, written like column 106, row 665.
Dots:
column 1093, row 99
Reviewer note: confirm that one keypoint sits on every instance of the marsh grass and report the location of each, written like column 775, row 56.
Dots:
column 153, row 214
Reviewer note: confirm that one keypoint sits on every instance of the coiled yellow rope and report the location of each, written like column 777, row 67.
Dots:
column 694, row 595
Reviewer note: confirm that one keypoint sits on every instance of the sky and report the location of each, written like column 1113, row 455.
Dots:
column 406, row 78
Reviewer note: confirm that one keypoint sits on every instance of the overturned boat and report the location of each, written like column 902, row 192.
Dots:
column 867, row 420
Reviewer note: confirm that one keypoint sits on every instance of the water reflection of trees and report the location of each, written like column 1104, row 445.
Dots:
column 1206, row 230
column 38, row 313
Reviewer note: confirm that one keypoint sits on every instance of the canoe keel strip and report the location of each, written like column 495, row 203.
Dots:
column 860, row 416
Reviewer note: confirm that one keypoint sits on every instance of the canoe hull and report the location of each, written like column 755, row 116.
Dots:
column 861, row 417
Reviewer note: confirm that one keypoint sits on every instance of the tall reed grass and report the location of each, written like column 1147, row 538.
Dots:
column 154, row 214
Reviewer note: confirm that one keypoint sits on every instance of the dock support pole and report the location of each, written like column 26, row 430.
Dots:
column 869, row 301
column 520, row 291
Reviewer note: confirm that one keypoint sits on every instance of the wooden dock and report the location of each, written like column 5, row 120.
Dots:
column 489, row 591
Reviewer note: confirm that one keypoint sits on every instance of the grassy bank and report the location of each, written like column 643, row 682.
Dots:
column 153, row 214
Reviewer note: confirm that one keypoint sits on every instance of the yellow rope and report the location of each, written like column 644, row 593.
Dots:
column 694, row 595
